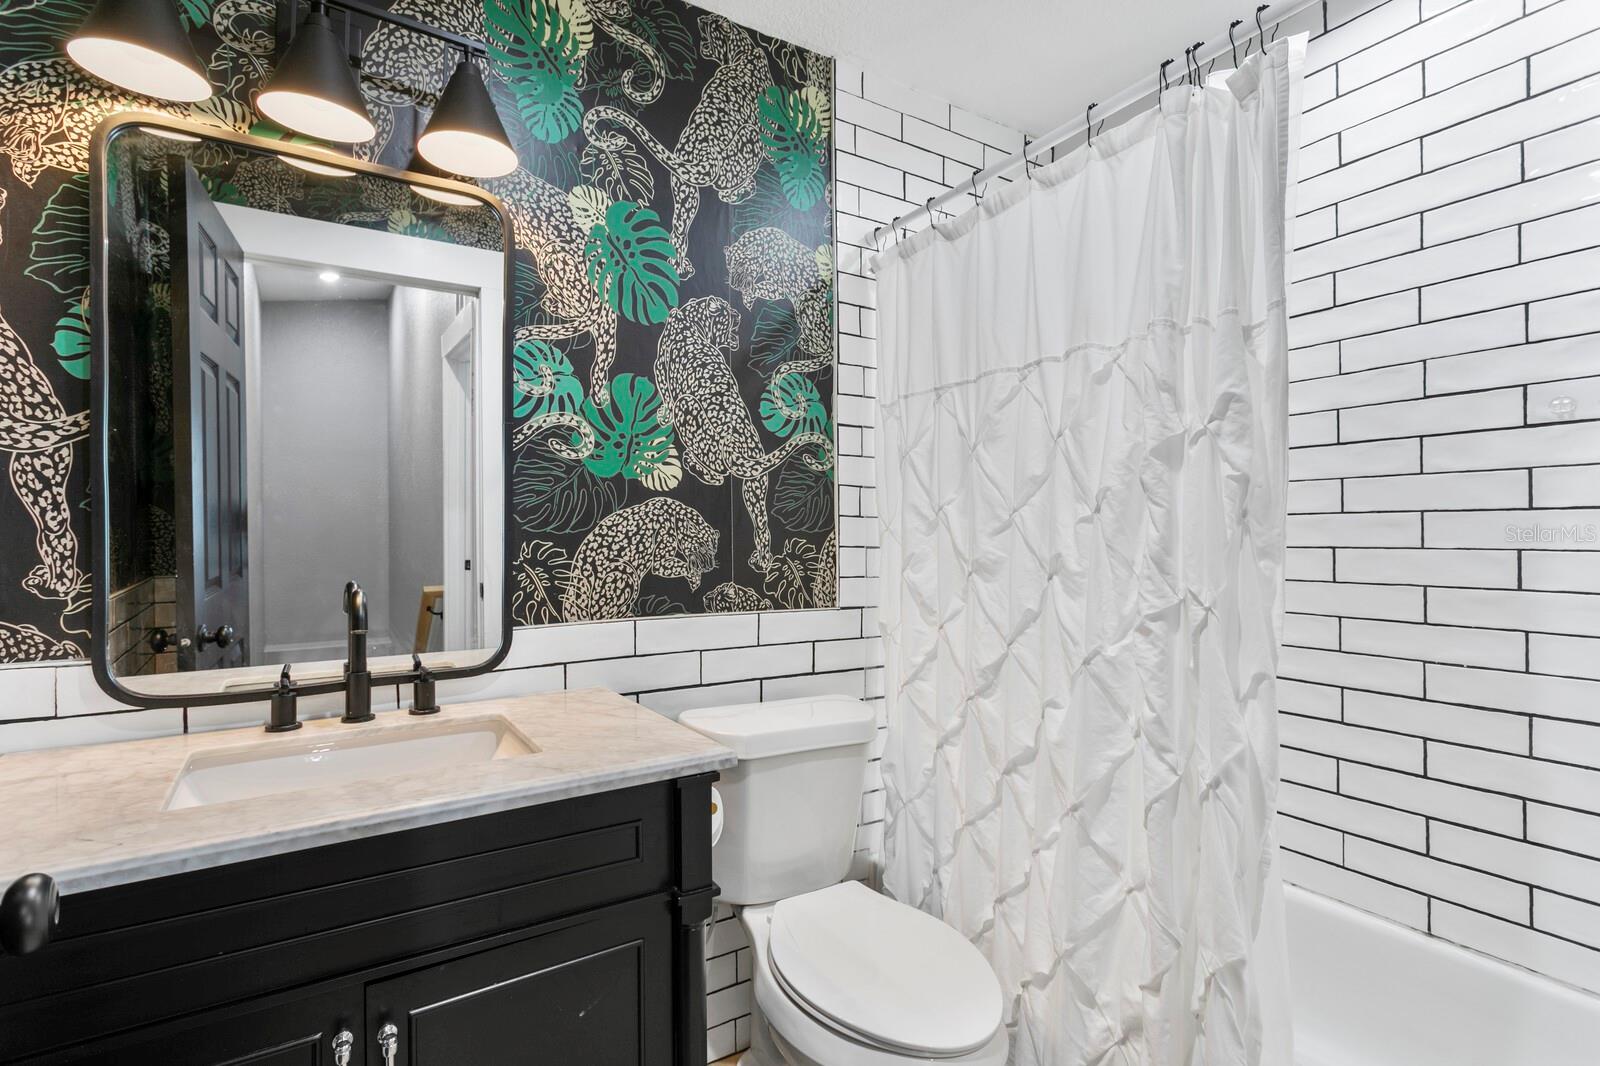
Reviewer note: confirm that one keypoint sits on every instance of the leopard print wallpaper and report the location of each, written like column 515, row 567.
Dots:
column 672, row 315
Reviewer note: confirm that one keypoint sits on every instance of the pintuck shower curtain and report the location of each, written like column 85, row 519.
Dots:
column 1081, row 483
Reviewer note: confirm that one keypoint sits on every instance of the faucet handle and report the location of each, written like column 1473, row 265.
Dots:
column 424, row 696
column 284, row 715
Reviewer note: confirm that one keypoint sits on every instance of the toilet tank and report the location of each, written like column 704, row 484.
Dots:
column 791, row 806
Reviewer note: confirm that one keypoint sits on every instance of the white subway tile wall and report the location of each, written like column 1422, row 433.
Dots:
column 1441, row 671
column 895, row 147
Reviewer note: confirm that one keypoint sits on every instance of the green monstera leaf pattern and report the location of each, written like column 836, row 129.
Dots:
column 793, row 402
column 795, row 133
column 538, row 46
column 631, row 263
column 629, row 437
column 71, row 339
column 196, row 13
column 542, row 380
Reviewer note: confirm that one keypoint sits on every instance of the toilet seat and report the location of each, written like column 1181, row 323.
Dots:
column 882, row 973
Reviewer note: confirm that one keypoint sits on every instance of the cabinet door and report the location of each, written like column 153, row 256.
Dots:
column 281, row 1031
column 597, row 990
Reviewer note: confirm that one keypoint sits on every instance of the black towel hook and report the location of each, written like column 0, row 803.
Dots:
column 1233, row 46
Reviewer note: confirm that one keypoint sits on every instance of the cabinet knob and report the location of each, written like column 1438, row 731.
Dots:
column 388, row 1042
column 29, row 911
column 343, row 1044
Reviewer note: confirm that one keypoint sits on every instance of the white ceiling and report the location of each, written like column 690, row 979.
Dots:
column 1029, row 64
column 280, row 282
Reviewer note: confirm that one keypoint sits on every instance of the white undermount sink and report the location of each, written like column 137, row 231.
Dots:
column 358, row 754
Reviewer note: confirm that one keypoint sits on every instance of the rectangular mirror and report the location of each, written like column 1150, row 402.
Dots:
column 300, row 380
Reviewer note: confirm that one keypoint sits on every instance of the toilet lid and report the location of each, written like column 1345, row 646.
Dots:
column 884, row 970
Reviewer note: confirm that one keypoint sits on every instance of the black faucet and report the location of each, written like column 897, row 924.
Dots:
column 357, row 678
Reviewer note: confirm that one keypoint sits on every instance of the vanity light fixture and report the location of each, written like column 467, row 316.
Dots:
column 140, row 45
column 328, row 276
column 419, row 165
column 465, row 135
column 313, row 90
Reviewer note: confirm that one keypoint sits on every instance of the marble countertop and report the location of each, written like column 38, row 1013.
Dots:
column 92, row 817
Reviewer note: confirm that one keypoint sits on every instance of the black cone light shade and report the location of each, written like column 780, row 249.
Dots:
column 465, row 136
column 420, row 165
column 313, row 91
column 140, row 45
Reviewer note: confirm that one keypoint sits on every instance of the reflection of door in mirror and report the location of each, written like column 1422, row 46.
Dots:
column 461, row 585
column 209, row 381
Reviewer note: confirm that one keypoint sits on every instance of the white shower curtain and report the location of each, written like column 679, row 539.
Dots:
column 1081, row 482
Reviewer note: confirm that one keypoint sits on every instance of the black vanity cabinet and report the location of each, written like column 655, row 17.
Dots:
column 592, row 993
column 566, row 932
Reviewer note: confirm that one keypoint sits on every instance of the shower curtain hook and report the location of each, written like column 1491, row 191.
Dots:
column 1027, row 164
column 928, row 207
column 976, row 199
column 1163, row 73
column 1233, row 46
column 1088, row 124
column 1261, row 32
column 1188, row 67
column 1195, row 52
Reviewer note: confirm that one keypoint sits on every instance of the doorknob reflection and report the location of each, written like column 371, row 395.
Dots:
column 221, row 637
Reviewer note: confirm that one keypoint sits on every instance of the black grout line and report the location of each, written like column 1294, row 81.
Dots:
column 1369, row 190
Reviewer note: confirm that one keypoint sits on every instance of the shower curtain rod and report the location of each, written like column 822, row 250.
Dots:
column 1116, row 104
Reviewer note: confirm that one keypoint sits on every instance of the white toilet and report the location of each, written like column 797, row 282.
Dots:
column 843, row 976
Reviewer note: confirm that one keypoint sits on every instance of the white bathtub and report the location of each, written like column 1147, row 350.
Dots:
column 1368, row 992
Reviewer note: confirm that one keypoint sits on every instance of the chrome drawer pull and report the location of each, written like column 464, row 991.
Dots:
column 388, row 1042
